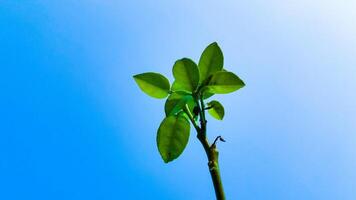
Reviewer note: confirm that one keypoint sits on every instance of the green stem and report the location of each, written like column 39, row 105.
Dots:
column 211, row 152
column 187, row 111
column 215, row 173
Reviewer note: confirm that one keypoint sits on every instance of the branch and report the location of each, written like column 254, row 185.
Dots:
column 187, row 111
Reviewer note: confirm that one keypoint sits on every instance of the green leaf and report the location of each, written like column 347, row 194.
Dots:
column 176, row 102
column 153, row 84
column 216, row 110
column 177, row 87
column 186, row 73
column 207, row 94
column 211, row 61
column 224, row 82
column 172, row 137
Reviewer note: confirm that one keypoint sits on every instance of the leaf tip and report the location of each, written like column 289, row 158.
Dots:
column 242, row 83
column 214, row 43
column 167, row 158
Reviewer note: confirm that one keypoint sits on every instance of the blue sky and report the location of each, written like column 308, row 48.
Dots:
column 74, row 125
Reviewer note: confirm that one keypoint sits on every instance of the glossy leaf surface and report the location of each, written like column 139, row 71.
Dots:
column 153, row 84
column 224, row 82
column 176, row 102
column 211, row 61
column 217, row 110
column 186, row 75
column 172, row 137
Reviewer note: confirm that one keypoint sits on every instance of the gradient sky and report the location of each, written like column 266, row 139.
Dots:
column 74, row 125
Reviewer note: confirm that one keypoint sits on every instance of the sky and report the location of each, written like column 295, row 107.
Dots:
column 74, row 125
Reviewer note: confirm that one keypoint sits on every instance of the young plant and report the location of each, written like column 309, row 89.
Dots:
column 185, row 104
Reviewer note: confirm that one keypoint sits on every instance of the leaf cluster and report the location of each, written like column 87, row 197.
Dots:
column 193, row 84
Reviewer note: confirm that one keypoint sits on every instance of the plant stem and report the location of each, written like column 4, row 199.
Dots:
column 187, row 111
column 211, row 152
column 215, row 173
